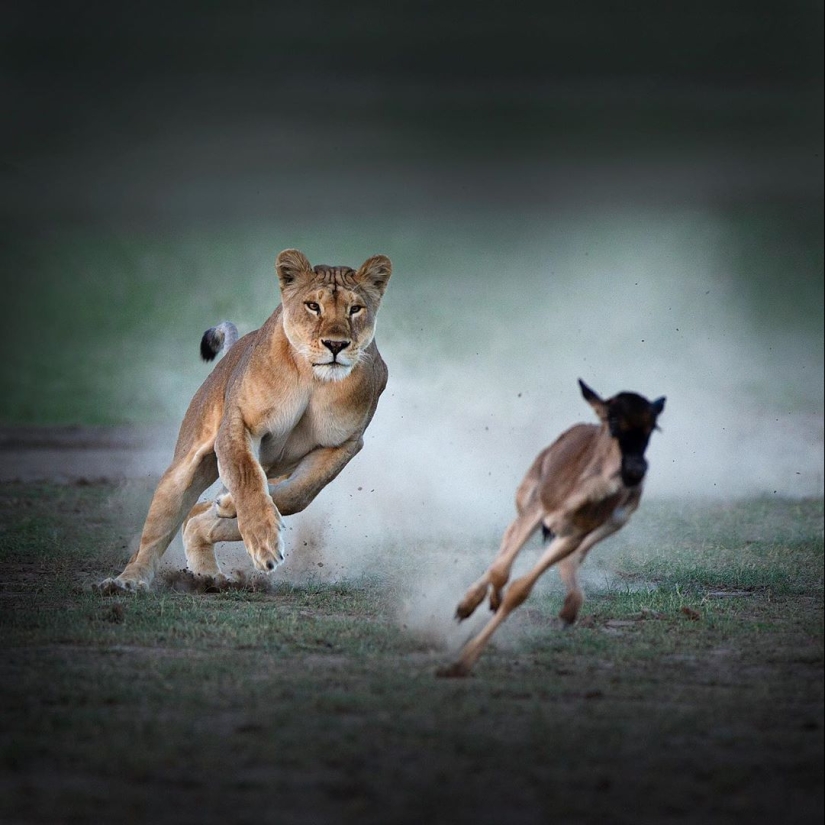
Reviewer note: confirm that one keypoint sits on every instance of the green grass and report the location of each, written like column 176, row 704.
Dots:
column 312, row 699
column 723, row 547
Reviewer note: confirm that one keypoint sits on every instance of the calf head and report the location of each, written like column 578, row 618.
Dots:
column 630, row 419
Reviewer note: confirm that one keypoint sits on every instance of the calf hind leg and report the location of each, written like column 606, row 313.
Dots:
column 568, row 570
column 497, row 574
column 515, row 594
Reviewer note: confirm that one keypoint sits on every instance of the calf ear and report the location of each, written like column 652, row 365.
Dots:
column 658, row 405
column 290, row 266
column 594, row 400
column 374, row 274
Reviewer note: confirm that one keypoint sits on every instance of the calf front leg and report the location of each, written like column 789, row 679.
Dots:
column 569, row 567
column 568, row 571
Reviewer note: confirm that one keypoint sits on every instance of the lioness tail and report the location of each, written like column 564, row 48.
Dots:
column 218, row 339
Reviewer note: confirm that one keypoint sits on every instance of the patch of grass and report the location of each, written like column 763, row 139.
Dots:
column 758, row 544
column 681, row 694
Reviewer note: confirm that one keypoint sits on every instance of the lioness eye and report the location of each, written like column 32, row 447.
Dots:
column 312, row 306
column 354, row 310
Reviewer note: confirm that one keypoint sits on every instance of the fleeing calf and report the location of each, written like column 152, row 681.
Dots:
column 581, row 489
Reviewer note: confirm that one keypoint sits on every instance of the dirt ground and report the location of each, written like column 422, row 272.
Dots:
column 66, row 454
column 309, row 704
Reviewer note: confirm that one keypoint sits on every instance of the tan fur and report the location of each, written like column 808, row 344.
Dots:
column 574, row 488
column 278, row 418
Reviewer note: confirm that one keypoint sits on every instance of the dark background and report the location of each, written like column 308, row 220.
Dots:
column 204, row 112
column 630, row 193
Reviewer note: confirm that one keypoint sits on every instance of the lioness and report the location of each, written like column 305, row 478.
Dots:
column 277, row 419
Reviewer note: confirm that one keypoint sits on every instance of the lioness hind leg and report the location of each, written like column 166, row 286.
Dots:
column 203, row 529
column 225, row 506
column 178, row 490
column 198, row 544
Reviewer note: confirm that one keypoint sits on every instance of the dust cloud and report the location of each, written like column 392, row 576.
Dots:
column 483, row 366
column 620, row 242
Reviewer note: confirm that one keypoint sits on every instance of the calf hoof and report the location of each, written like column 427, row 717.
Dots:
column 457, row 670
column 473, row 598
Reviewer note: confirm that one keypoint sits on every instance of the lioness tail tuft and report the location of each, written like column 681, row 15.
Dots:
column 218, row 339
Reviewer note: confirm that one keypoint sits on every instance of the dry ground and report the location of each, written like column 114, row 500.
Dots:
column 694, row 701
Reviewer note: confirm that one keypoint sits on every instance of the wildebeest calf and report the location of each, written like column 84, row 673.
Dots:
column 580, row 489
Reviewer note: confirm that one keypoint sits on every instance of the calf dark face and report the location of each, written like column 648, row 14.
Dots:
column 634, row 468
column 631, row 419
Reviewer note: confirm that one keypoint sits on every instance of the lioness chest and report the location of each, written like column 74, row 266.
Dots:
column 326, row 417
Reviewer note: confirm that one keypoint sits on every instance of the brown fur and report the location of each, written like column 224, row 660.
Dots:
column 277, row 419
column 578, row 489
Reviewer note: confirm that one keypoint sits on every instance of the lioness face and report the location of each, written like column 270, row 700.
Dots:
column 329, row 311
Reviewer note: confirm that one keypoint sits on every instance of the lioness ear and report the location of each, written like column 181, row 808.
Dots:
column 375, row 273
column 291, row 265
column 594, row 400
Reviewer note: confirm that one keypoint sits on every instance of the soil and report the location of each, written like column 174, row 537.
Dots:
column 722, row 730
column 68, row 454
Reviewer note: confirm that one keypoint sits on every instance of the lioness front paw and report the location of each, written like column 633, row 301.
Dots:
column 265, row 544
column 116, row 586
column 268, row 554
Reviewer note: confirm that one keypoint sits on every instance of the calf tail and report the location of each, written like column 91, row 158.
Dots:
column 218, row 339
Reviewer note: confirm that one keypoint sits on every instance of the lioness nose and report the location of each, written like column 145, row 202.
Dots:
column 335, row 346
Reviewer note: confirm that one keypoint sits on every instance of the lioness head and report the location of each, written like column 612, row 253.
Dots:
column 329, row 311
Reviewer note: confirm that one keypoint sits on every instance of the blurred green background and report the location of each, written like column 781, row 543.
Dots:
column 628, row 195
